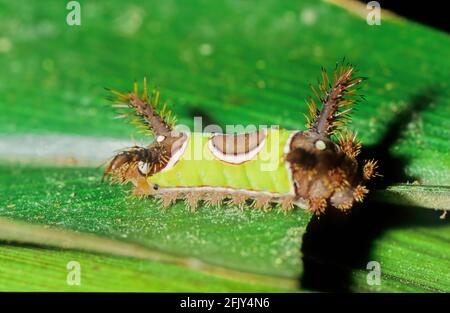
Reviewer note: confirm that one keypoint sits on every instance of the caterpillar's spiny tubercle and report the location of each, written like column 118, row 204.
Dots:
column 192, row 199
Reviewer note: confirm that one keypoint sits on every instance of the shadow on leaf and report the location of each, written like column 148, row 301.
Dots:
column 335, row 244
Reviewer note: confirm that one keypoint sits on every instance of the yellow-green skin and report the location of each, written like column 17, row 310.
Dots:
column 198, row 167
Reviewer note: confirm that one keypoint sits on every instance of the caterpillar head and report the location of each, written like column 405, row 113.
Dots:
column 323, row 159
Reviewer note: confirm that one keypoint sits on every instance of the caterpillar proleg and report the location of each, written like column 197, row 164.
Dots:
column 313, row 169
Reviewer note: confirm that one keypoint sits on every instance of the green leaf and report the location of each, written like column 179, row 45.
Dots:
column 246, row 241
column 230, row 62
column 24, row 268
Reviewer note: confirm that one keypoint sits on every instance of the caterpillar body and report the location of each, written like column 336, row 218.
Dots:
column 312, row 169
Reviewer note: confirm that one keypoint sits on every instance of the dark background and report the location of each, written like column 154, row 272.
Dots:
column 430, row 12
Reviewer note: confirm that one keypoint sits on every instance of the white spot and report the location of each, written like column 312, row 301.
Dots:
column 320, row 145
column 160, row 138
column 143, row 167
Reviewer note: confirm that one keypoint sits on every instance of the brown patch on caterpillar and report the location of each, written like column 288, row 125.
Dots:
column 326, row 172
column 337, row 179
column 238, row 144
column 323, row 176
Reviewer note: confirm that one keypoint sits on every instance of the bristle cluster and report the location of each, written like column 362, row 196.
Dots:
column 336, row 98
column 317, row 205
column 123, row 173
column 214, row 199
column 193, row 199
column 146, row 112
column 349, row 143
column 370, row 169
column 360, row 192
column 262, row 202
column 337, row 179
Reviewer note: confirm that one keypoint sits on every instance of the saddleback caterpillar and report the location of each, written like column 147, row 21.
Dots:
column 313, row 169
